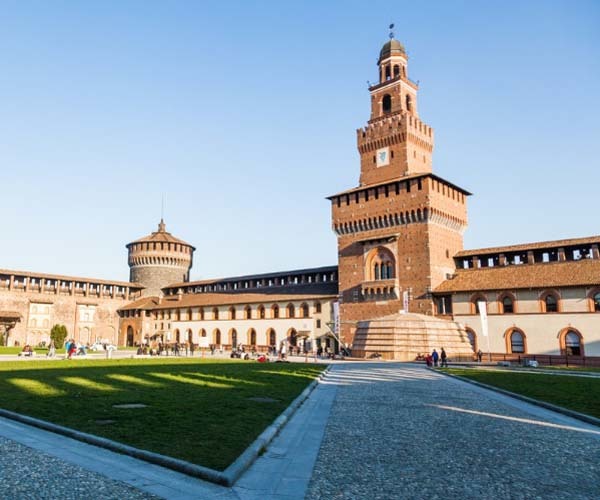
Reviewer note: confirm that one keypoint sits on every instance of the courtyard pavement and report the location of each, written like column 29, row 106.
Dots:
column 369, row 430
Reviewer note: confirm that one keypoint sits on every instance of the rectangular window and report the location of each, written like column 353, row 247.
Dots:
column 318, row 323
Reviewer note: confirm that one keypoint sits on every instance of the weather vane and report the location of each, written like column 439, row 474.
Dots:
column 391, row 32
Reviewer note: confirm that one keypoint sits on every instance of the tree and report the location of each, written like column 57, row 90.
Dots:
column 58, row 334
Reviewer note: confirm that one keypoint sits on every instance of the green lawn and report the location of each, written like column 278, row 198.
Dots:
column 197, row 410
column 576, row 393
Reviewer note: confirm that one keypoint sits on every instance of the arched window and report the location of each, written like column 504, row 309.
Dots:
column 201, row 311
column 550, row 302
column 387, row 72
column 247, row 312
column 34, row 322
column 572, row 343
column 475, row 303
column 507, row 305
column 380, row 264
column 291, row 311
column 386, row 104
column 408, row 103
column 516, row 341
column 261, row 312
column 215, row 313
column 396, row 71
column 304, row 310
column 274, row 311
column 252, row 337
column 232, row 312
column 271, row 337
column 202, row 332
column 317, row 307
column 217, row 337
column 233, row 338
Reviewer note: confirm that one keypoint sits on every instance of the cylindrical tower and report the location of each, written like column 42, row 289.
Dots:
column 158, row 260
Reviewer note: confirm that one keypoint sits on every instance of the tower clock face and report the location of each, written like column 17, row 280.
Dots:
column 382, row 157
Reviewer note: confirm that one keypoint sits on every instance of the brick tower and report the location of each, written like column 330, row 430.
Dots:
column 158, row 260
column 399, row 229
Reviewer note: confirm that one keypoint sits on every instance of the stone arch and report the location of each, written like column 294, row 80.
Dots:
column 189, row 336
column 177, row 335
column 275, row 311
column 261, row 312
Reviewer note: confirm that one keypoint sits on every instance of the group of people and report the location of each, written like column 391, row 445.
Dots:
column 155, row 348
column 436, row 359
column 72, row 348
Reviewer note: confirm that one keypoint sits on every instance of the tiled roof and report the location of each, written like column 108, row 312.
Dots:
column 30, row 274
column 530, row 246
column 400, row 179
column 291, row 293
column 324, row 269
column 160, row 236
column 10, row 314
column 584, row 272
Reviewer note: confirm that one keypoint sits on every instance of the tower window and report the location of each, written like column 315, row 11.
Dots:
column 396, row 71
column 408, row 103
column 387, row 103
column 387, row 72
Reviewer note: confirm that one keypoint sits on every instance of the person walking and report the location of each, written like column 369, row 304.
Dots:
column 479, row 355
column 435, row 356
column 51, row 350
column 444, row 358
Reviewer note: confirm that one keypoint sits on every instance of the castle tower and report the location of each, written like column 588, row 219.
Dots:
column 399, row 229
column 158, row 260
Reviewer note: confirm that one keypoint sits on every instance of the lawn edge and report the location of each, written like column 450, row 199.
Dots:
column 228, row 477
column 544, row 404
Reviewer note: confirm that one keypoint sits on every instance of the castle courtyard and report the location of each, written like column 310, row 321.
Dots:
column 369, row 430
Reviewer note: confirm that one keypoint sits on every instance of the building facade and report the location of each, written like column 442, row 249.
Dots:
column 400, row 250
column 539, row 298
column 399, row 229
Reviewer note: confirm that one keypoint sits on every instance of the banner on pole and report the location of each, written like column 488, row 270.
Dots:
column 483, row 316
column 336, row 318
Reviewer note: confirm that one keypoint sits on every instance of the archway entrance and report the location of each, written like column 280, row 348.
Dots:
column 234, row 338
column 129, row 341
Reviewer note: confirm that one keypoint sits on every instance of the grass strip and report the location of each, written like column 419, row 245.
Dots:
column 206, row 412
column 580, row 394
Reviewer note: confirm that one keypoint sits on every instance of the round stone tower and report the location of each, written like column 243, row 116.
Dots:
column 158, row 260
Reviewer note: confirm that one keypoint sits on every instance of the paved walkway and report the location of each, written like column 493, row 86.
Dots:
column 371, row 430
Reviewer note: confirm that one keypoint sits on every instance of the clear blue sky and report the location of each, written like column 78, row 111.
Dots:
column 244, row 114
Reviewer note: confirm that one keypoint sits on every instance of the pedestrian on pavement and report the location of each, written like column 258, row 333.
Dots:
column 51, row 350
column 444, row 358
column 429, row 360
column 192, row 347
column 479, row 356
column 435, row 356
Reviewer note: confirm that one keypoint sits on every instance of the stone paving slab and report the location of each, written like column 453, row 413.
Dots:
column 400, row 431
